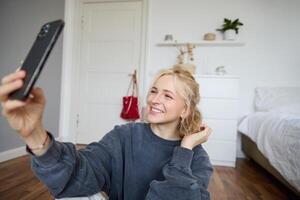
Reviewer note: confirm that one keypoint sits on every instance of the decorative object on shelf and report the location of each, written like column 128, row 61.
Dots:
column 209, row 36
column 230, row 28
column 181, row 55
column 220, row 70
column 189, row 67
column 190, row 48
column 168, row 37
column 190, row 57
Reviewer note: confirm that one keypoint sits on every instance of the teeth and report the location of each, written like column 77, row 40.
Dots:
column 156, row 110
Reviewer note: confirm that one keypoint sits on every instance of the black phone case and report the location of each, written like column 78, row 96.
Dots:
column 37, row 57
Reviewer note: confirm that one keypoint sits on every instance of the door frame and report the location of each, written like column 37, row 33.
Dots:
column 71, row 63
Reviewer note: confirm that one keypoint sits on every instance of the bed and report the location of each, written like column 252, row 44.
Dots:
column 271, row 134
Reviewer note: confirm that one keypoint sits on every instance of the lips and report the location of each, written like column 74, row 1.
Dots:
column 155, row 110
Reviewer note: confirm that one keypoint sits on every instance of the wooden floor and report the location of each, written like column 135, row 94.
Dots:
column 247, row 181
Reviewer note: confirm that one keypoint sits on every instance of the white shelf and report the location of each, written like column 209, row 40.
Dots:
column 215, row 43
column 216, row 76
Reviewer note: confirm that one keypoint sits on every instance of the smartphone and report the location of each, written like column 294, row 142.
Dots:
column 37, row 57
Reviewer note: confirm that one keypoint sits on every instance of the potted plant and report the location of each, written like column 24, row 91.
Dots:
column 230, row 28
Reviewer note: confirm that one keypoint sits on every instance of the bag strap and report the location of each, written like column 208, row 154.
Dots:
column 133, row 85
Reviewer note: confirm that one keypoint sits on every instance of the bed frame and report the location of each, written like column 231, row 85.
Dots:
column 250, row 149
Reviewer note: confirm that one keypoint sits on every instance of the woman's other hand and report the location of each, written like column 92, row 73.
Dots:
column 192, row 140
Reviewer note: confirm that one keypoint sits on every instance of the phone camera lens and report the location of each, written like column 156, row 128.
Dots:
column 44, row 31
column 47, row 26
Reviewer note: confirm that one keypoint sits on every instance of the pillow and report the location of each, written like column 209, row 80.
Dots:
column 290, row 109
column 268, row 98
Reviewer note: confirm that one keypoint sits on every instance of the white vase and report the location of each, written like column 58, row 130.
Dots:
column 230, row 35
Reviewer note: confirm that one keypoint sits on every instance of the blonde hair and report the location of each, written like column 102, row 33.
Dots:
column 188, row 89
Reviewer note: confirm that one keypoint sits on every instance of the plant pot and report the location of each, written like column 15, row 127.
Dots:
column 230, row 35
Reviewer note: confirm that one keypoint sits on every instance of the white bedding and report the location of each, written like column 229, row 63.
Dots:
column 277, row 135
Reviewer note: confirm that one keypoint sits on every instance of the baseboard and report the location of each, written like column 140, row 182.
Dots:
column 14, row 153
column 223, row 163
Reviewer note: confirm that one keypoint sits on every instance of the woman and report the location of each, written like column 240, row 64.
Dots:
column 159, row 160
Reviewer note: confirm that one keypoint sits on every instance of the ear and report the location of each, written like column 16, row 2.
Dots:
column 185, row 113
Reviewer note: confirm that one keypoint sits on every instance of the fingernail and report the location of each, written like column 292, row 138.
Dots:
column 22, row 72
column 18, row 69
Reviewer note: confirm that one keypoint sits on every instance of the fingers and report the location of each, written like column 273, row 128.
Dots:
column 10, row 105
column 204, row 132
column 37, row 95
column 11, row 83
column 206, row 129
column 209, row 130
column 12, row 77
column 207, row 133
column 6, row 89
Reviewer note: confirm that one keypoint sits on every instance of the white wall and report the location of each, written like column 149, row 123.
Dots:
column 271, row 32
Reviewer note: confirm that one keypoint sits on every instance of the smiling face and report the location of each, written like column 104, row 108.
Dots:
column 164, row 104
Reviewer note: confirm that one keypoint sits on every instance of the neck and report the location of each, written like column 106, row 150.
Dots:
column 166, row 131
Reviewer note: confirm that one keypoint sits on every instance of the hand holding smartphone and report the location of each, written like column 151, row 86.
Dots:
column 37, row 57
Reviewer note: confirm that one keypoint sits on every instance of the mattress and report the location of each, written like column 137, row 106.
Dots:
column 277, row 136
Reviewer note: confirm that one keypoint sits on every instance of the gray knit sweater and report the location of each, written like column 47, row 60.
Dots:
column 129, row 163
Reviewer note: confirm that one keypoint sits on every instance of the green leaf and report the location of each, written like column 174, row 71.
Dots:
column 227, row 21
column 229, row 24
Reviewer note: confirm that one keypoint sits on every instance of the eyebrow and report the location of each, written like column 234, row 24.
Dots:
column 164, row 90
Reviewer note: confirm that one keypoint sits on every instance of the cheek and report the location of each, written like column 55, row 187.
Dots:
column 148, row 102
column 149, row 99
column 177, row 108
column 173, row 108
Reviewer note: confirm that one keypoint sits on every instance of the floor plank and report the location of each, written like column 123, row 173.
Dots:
column 247, row 181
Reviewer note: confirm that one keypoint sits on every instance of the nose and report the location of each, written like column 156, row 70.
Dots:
column 156, row 98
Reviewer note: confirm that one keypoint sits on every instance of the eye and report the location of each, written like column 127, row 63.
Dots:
column 152, row 91
column 168, row 96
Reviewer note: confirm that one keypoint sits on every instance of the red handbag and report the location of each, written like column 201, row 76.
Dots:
column 130, row 109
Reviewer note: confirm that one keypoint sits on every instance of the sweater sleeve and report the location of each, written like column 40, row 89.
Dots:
column 181, row 182
column 68, row 172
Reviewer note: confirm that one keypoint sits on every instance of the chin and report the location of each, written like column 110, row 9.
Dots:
column 159, row 119
column 153, row 120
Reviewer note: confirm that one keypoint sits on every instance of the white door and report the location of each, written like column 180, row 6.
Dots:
column 110, row 51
